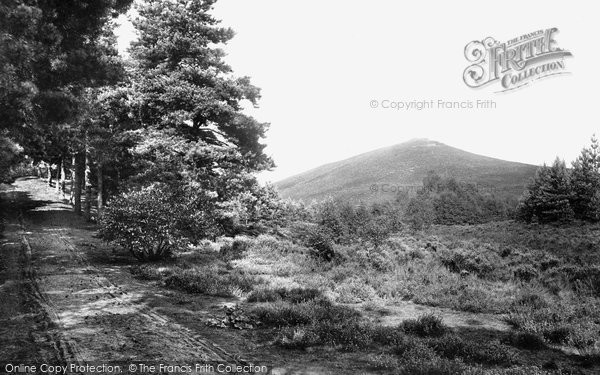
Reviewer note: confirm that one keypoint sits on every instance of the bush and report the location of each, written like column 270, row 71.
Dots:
column 527, row 340
column 425, row 325
column 294, row 295
column 558, row 335
column 479, row 262
column 416, row 357
column 281, row 313
column 235, row 249
column 447, row 201
column 420, row 213
column 342, row 223
column 349, row 334
column 354, row 290
column 321, row 246
column 491, row 353
column 154, row 221
column 526, row 272
column 211, row 281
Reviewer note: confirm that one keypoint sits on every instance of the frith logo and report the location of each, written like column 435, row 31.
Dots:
column 515, row 63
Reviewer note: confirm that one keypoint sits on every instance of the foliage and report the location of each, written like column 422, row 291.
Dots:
column 425, row 325
column 559, row 194
column 343, row 223
column 293, row 295
column 447, row 201
column 209, row 280
column 585, row 182
column 420, row 213
column 184, row 88
column 549, row 195
column 9, row 152
column 154, row 221
column 51, row 53
column 235, row 249
column 320, row 244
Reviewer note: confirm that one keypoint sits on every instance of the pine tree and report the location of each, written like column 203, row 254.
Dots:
column 549, row 195
column 585, row 179
column 184, row 91
column 50, row 52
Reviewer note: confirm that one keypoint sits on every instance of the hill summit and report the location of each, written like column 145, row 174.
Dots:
column 380, row 174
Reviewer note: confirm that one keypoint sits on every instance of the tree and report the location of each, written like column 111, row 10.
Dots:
column 420, row 213
column 183, row 87
column 448, row 201
column 9, row 152
column 585, row 180
column 189, row 132
column 549, row 195
column 50, row 53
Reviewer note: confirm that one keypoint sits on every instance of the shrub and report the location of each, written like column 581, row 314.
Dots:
column 343, row 223
column 384, row 361
column 419, row 213
column 152, row 222
column 273, row 247
column 294, row 295
column 282, row 313
column 389, row 336
column 516, row 370
column 491, row 353
column 527, row 340
column 321, row 246
column 448, row 201
column 348, row 333
column 425, row 325
column 479, row 262
column 235, row 249
column 354, row 290
column 532, row 300
column 558, row 335
column 526, row 272
column 378, row 228
column 416, row 357
column 203, row 280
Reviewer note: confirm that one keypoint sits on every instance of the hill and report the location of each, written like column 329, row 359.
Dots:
column 379, row 175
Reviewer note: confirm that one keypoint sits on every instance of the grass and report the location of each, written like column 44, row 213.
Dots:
column 294, row 295
column 544, row 285
column 417, row 345
column 544, row 279
column 201, row 271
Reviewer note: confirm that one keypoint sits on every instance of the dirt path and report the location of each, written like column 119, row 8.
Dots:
column 60, row 299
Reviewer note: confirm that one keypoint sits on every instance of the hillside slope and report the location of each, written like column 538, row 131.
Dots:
column 378, row 175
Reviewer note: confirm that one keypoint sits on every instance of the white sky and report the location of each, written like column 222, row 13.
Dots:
column 320, row 63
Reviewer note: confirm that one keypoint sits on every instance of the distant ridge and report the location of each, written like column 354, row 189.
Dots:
column 376, row 175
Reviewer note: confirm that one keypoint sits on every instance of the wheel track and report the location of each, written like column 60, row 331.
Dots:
column 66, row 350
column 69, row 350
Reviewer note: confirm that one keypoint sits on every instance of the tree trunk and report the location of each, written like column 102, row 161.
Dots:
column 72, row 170
column 87, row 213
column 62, row 179
column 49, row 174
column 77, row 186
column 59, row 167
column 100, row 203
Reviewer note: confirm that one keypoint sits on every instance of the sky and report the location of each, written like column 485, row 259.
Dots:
column 322, row 64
